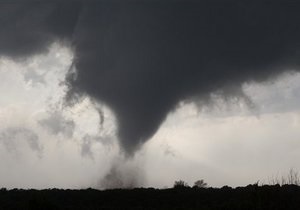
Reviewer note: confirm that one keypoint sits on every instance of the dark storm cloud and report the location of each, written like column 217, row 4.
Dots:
column 28, row 27
column 143, row 57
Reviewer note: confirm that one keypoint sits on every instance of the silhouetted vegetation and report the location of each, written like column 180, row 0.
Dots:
column 200, row 184
column 180, row 184
column 292, row 178
column 250, row 197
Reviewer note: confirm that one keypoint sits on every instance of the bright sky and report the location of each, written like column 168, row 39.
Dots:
column 44, row 144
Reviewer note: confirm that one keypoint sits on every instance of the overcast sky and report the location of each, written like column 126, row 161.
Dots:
column 120, row 95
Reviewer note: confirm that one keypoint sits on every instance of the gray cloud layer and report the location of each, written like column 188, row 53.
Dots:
column 57, row 124
column 10, row 135
column 143, row 57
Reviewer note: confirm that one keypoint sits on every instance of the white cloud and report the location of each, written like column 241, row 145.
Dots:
column 40, row 140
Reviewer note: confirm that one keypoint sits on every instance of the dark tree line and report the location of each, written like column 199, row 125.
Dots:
column 267, row 197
